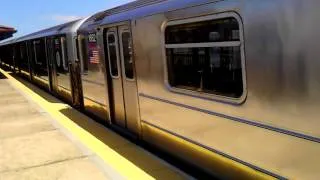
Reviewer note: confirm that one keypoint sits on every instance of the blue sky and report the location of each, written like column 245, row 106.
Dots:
column 28, row 16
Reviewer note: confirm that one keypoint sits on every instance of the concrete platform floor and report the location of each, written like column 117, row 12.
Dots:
column 35, row 145
column 31, row 147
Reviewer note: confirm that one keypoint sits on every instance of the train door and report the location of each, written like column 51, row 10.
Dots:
column 27, row 60
column 76, row 86
column 52, row 80
column 15, row 57
column 30, row 58
column 122, row 84
column 60, row 69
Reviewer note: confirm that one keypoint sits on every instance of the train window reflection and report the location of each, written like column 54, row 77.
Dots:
column 65, row 63
column 24, row 65
column 112, row 53
column 84, row 56
column 127, row 54
column 60, row 54
column 38, row 52
column 226, row 29
column 77, row 48
column 40, row 65
column 205, row 57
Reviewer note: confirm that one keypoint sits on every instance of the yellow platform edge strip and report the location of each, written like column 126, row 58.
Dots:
column 119, row 163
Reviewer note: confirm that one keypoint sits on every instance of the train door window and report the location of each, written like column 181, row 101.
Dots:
column 112, row 54
column 76, row 40
column 40, row 53
column 84, row 55
column 205, row 55
column 57, row 53
column 65, row 63
column 37, row 52
column 127, row 54
column 40, row 68
column 22, row 52
column 24, row 57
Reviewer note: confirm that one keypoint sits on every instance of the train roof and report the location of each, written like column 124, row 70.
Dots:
column 69, row 27
column 97, row 18
column 8, row 41
column 136, row 9
column 147, row 9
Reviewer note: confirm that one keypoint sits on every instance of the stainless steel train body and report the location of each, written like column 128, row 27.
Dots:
column 48, row 57
column 93, row 76
column 231, row 86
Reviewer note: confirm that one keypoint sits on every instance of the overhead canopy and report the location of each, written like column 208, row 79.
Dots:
column 6, row 32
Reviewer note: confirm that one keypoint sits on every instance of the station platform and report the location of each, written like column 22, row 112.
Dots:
column 44, row 138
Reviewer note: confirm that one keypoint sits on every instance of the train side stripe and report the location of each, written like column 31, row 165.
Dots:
column 239, row 120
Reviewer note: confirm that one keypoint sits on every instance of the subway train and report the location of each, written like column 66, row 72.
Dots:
column 228, row 86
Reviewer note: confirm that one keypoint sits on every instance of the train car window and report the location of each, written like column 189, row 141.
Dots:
column 24, row 65
column 21, row 52
column 205, row 56
column 37, row 52
column 77, row 48
column 40, row 66
column 65, row 62
column 112, row 53
column 127, row 54
column 83, row 54
column 57, row 53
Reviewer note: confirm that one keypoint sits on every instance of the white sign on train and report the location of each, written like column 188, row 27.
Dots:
column 92, row 37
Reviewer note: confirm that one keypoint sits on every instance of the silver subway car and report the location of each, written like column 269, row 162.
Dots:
column 47, row 57
column 230, row 86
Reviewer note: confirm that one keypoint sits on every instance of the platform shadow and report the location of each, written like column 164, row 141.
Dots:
column 2, row 76
column 127, row 149
column 142, row 159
